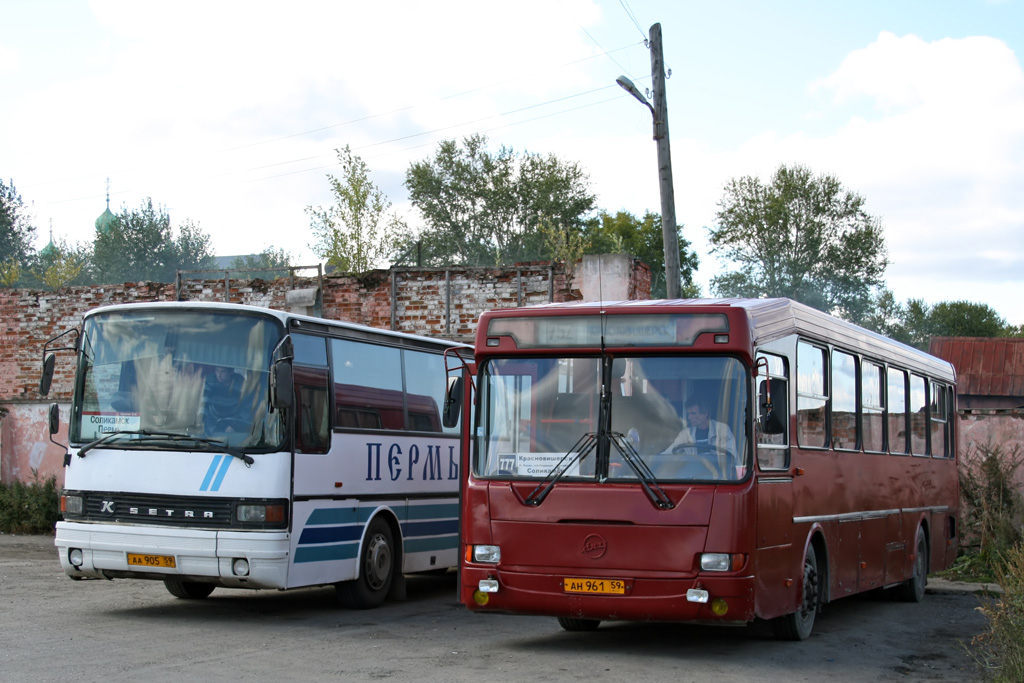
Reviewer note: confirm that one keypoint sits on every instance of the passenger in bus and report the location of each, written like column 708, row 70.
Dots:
column 710, row 443
column 221, row 397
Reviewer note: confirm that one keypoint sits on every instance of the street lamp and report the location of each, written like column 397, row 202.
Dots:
column 659, row 112
column 628, row 86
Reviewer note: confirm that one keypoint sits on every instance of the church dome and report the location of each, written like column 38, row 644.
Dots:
column 105, row 219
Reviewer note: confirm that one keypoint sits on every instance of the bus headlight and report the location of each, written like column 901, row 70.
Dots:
column 722, row 562
column 240, row 566
column 75, row 557
column 71, row 505
column 260, row 514
column 490, row 554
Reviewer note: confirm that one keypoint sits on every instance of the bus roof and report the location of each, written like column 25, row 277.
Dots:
column 287, row 318
column 769, row 320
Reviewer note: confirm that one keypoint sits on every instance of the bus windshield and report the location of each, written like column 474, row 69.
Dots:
column 178, row 373
column 681, row 416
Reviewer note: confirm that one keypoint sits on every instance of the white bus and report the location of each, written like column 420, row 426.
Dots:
column 226, row 445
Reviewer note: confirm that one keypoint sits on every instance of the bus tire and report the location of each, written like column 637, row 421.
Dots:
column 188, row 590
column 912, row 590
column 573, row 624
column 376, row 569
column 799, row 624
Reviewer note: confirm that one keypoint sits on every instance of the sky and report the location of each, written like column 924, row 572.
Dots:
column 229, row 114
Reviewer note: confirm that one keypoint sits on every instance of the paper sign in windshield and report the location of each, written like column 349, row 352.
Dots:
column 96, row 424
column 535, row 464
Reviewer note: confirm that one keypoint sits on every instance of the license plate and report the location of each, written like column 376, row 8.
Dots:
column 151, row 560
column 599, row 586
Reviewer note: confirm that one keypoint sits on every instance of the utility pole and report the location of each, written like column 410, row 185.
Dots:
column 659, row 112
column 670, row 234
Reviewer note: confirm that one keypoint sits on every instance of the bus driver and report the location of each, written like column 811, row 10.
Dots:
column 707, row 438
column 221, row 397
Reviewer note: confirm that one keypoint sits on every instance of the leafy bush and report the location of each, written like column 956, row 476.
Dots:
column 32, row 508
column 1000, row 652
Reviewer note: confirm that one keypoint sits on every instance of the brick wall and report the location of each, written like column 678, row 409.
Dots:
column 435, row 302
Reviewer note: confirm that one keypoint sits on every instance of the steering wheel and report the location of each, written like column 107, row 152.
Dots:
column 694, row 449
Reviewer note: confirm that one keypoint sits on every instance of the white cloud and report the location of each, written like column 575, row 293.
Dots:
column 9, row 59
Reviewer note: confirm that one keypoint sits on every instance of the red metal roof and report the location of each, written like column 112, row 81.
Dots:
column 985, row 366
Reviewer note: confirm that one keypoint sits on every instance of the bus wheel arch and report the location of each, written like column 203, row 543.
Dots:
column 912, row 590
column 813, row 591
column 379, row 563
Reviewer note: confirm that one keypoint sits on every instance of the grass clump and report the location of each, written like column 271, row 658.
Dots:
column 999, row 652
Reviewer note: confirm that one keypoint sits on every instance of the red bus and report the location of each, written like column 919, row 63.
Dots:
column 719, row 461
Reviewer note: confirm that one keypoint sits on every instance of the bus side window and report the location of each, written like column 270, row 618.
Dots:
column 772, row 429
column 918, row 415
column 812, row 395
column 938, row 417
column 896, row 406
column 312, row 409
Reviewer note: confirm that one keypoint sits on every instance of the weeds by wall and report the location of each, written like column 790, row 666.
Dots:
column 992, row 510
column 32, row 508
column 999, row 652
column 992, row 549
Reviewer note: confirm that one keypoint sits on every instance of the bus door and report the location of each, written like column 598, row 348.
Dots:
column 314, row 471
column 774, row 479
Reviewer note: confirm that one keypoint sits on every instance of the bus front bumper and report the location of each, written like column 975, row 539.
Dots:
column 231, row 559
column 720, row 599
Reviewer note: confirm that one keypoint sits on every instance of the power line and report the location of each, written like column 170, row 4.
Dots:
column 632, row 17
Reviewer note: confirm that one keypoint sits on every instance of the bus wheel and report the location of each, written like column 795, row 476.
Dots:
column 798, row 625
column 188, row 590
column 912, row 590
column 376, row 570
column 571, row 624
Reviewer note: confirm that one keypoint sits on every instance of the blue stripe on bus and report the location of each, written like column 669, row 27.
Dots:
column 334, row 533
column 419, row 545
column 330, row 534
column 225, row 464
column 325, row 553
column 210, row 472
column 434, row 527
column 432, row 511
column 333, row 516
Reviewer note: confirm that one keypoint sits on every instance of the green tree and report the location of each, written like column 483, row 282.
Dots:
column 360, row 230
column 191, row 248
column 643, row 238
column 966, row 319
column 800, row 236
column 887, row 316
column 484, row 209
column 255, row 266
column 916, row 322
column 10, row 272
column 140, row 244
column 62, row 264
column 16, row 235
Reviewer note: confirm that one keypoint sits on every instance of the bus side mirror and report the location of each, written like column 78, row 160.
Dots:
column 47, row 377
column 282, row 392
column 452, row 402
column 53, row 419
column 769, row 419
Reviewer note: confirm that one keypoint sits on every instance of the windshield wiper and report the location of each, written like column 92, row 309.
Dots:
column 643, row 472
column 580, row 450
column 148, row 435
